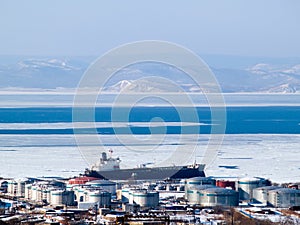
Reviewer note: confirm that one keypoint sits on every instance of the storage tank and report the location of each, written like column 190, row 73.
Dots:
column 12, row 187
column 99, row 197
column 33, row 192
column 212, row 197
column 125, row 195
column 247, row 185
column 56, row 197
column 193, row 193
column 46, row 196
column 28, row 191
column 284, row 197
column 261, row 194
column 61, row 197
column 226, row 184
column 200, row 181
column 20, row 188
column 106, row 185
column 39, row 193
column 81, row 194
column 144, row 198
column 197, row 181
column 68, row 198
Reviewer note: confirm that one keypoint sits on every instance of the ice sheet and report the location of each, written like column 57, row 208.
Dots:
column 270, row 156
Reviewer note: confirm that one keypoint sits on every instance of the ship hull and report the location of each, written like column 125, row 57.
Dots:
column 158, row 173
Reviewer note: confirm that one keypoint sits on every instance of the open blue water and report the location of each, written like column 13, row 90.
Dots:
column 240, row 120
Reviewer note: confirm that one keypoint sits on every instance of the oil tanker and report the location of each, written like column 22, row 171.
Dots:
column 109, row 168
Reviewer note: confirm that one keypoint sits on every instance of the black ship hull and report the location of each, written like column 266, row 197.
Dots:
column 158, row 173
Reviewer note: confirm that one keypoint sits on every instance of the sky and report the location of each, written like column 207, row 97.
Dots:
column 79, row 28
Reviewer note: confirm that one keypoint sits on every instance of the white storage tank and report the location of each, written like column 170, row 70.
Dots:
column 125, row 195
column 144, row 198
column 105, row 185
column 46, row 196
column 12, row 187
column 61, row 197
column 194, row 181
column 34, row 192
column 39, row 193
column 99, row 197
column 20, row 188
column 56, row 197
column 197, row 181
column 247, row 185
column 28, row 191
column 193, row 194
column 284, row 197
column 261, row 194
column 212, row 197
column 81, row 194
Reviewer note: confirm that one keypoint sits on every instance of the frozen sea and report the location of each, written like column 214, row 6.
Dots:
column 262, row 139
column 265, row 155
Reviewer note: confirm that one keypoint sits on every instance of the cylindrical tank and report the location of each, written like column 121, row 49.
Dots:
column 284, row 197
column 200, row 181
column 39, row 193
column 12, row 187
column 20, row 188
column 34, row 192
column 28, row 191
column 56, row 197
column 106, row 185
column 197, row 181
column 125, row 195
column 193, row 193
column 247, row 185
column 218, row 197
column 144, row 198
column 261, row 194
column 81, row 194
column 46, row 195
column 100, row 197
column 226, row 184
column 68, row 197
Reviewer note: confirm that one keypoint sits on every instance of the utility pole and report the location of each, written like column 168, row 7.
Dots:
column 96, row 211
column 232, row 215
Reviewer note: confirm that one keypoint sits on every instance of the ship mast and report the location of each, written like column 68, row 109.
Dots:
column 110, row 152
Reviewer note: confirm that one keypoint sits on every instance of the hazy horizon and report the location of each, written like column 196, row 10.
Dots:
column 69, row 28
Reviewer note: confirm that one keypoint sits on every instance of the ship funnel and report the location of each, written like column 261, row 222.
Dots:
column 104, row 156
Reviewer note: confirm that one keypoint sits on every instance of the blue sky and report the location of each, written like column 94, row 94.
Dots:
column 70, row 27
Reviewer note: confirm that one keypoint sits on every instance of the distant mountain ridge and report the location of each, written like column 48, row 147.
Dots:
column 59, row 72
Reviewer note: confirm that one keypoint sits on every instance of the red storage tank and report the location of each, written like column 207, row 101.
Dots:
column 226, row 184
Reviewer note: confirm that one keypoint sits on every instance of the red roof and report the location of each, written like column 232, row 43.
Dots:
column 82, row 180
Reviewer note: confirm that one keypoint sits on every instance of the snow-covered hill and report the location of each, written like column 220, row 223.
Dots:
column 51, row 72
